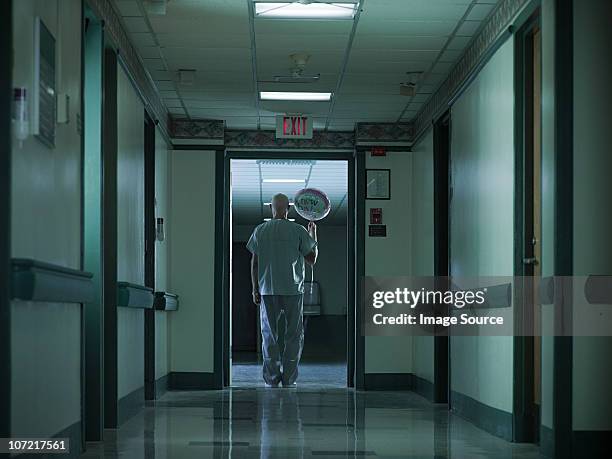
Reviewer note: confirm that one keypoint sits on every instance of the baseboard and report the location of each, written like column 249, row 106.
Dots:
column 547, row 441
column 591, row 444
column 191, row 380
column 130, row 405
column 161, row 386
column 423, row 387
column 388, row 381
column 492, row 420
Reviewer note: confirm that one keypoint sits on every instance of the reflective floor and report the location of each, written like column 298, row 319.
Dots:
column 313, row 373
column 306, row 422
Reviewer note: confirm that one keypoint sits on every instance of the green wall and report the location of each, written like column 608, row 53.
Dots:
column 390, row 256
column 481, row 215
column 130, row 231
column 192, row 259
column 46, row 225
column 592, row 356
column 422, row 223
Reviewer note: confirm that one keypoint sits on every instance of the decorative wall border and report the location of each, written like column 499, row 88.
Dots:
column 384, row 133
column 267, row 139
column 496, row 26
column 113, row 26
column 183, row 128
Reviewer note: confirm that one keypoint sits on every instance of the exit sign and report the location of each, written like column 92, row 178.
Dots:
column 293, row 127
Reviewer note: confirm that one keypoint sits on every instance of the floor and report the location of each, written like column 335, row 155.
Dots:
column 307, row 422
column 314, row 372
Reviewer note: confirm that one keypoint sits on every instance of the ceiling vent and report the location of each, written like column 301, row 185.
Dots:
column 409, row 88
column 186, row 77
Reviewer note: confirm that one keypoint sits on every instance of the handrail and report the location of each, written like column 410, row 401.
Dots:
column 598, row 289
column 134, row 296
column 165, row 301
column 497, row 296
column 34, row 280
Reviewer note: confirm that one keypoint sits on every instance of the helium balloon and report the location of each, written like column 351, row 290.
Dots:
column 312, row 204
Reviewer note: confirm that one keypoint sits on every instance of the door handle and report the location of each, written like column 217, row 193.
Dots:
column 530, row 261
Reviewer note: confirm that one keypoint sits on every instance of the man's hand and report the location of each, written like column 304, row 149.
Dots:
column 256, row 297
column 312, row 229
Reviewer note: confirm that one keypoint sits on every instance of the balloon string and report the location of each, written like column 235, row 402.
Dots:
column 311, row 278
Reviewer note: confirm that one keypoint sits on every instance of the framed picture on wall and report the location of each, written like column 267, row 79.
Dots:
column 378, row 183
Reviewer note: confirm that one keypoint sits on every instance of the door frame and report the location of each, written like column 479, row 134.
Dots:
column 222, row 241
column 149, row 261
column 6, row 92
column 525, row 416
column 441, row 183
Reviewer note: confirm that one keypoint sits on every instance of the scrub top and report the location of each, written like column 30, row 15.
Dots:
column 280, row 246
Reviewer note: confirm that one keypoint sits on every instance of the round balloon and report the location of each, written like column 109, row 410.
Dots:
column 312, row 204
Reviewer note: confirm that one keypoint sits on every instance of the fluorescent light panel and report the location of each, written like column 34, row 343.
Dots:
column 268, row 219
column 307, row 96
column 269, row 203
column 283, row 180
column 315, row 10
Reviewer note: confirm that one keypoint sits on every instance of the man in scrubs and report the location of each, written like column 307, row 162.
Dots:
column 279, row 249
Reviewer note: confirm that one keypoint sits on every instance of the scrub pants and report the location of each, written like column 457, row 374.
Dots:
column 270, row 311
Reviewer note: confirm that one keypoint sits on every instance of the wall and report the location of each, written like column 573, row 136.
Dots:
column 192, row 261
column 422, row 194
column 482, row 207
column 390, row 256
column 330, row 270
column 46, row 225
column 130, row 232
column 592, row 356
column 161, row 253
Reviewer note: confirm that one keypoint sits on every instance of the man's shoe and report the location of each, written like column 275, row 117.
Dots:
column 293, row 385
column 271, row 385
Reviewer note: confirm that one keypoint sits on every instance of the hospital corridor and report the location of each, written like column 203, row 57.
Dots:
column 305, row 229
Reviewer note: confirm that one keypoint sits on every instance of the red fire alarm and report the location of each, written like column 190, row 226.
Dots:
column 375, row 216
column 379, row 151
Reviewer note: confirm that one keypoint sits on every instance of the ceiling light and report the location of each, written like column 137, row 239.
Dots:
column 283, row 180
column 268, row 219
column 309, row 96
column 269, row 203
column 305, row 9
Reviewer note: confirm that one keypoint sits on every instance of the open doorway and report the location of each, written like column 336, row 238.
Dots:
column 328, row 303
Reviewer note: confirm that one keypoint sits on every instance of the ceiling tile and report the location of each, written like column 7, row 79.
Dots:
column 136, row 24
column 480, row 12
column 128, row 7
column 469, row 28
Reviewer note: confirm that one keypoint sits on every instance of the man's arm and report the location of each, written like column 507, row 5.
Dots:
column 311, row 258
column 255, row 279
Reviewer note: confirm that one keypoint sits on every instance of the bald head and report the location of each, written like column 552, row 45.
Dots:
column 280, row 206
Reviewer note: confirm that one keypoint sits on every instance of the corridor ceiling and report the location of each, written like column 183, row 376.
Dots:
column 362, row 61
column 252, row 190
